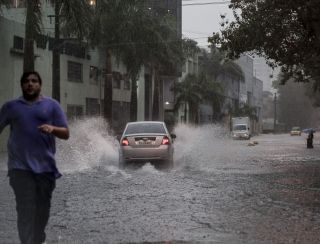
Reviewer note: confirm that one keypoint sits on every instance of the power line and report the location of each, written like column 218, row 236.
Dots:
column 208, row 3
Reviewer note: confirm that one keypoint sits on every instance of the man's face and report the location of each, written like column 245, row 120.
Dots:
column 31, row 88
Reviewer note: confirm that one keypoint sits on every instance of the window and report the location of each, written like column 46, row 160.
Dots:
column 75, row 50
column 145, row 128
column 92, row 106
column 41, row 41
column 126, row 80
column 18, row 42
column 116, row 80
column 74, row 71
column 74, row 111
column 93, row 75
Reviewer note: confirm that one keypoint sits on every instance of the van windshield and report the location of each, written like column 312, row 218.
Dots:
column 240, row 127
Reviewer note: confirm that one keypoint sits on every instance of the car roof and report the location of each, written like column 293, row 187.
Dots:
column 147, row 121
column 160, row 123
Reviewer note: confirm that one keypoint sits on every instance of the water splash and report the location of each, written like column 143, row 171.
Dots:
column 196, row 145
column 90, row 145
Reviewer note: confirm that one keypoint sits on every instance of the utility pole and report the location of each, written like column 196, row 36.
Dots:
column 275, row 112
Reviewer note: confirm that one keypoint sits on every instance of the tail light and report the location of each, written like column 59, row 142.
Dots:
column 125, row 142
column 165, row 141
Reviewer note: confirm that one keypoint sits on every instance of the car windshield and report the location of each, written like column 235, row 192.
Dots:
column 145, row 128
column 240, row 127
column 296, row 128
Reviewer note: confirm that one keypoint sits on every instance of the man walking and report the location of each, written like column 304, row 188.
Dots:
column 34, row 121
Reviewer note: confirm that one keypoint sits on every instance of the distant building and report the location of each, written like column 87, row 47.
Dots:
column 252, row 92
column 265, row 73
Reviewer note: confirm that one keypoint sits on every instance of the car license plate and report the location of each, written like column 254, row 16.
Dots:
column 145, row 142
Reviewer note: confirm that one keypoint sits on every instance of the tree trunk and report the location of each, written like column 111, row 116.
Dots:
column 156, row 91
column 185, row 111
column 108, row 89
column 134, row 101
column 56, row 54
column 28, row 56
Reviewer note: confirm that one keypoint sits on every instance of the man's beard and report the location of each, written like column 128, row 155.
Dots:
column 31, row 97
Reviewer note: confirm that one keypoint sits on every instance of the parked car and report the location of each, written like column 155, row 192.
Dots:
column 146, row 141
column 295, row 131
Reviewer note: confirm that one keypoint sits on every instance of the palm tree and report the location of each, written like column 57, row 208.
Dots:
column 110, row 33
column 33, row 23
column 126, row 30
column 5, row 3
column 154, row 44
column 74, row 15
column 188, row 93
column 75, row 18
column 212, row 92
column 213, row 65
column 164, row 53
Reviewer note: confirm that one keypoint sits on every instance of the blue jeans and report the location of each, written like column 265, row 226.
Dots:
column 33, row 194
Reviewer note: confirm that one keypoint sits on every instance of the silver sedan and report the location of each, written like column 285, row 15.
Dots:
column 146, row 141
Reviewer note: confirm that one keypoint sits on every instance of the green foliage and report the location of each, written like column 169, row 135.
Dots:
column 211, row 91
column 244, row 111
column 32, row 28
column 188, row 91
column 294, row 106
column 216, row 63
column 287, row 32
column 75, row 18
column 137, row 37
column 190, row 48
column 5, row 3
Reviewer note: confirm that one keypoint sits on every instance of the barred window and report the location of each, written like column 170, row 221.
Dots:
column 41, row 41
column 74, row 71
column 93, row 75
column 126, row 85
column 116, row 80
column 74, row 111
column 18, row 42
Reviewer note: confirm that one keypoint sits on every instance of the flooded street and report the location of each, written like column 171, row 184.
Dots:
column 219, row 191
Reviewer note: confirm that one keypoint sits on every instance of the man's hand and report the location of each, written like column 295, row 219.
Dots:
column 46, row 128
column 60, row 132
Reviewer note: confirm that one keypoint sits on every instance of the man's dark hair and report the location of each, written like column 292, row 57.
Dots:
column 26, row 74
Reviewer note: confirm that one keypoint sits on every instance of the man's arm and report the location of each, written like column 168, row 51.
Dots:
column 60, row 132
column 3, row 118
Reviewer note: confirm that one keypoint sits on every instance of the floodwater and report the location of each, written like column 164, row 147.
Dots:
column 219, row 191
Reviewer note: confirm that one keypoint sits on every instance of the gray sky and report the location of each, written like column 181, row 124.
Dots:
column 200, row 21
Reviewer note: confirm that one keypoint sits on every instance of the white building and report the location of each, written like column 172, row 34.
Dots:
column 81, row 74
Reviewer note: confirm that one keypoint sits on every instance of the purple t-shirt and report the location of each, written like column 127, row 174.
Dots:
column 28, row 147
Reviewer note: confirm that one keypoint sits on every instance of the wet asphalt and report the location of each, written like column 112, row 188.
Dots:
column 219, row 191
